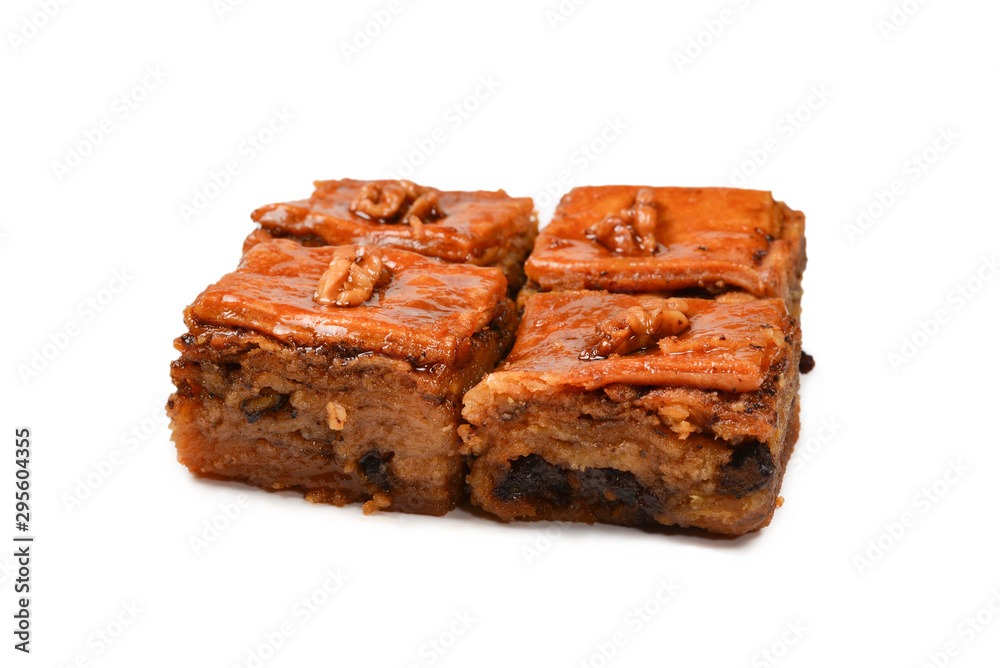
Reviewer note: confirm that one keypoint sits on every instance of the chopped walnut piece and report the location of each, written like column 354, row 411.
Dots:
column 614, row 233
column 402, row 202
column 423, row 210
column 381, row 201
column 336, row 416
column 354, row 273
column 676, row 417
column 636, row 328
column 632, row 231
column 644, row 212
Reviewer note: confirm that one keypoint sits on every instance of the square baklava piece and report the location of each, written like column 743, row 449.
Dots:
column 638, row 410
column 487, row 229
column 700, row 242
column 339, row 371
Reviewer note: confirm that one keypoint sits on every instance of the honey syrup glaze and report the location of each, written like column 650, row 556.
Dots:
column 464, row 227
column 428, row 310
column 701, row 238
column 728, row 346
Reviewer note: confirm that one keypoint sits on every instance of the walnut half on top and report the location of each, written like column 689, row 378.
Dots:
column 401, row 202
column 632, row 231
column 636, row 328
column 354, row 273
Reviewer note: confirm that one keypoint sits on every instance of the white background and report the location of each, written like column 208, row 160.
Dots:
column 879, row 433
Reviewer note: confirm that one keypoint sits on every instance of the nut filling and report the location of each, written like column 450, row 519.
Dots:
column 399, row 202
column 637, row 328
column 268, row 401
column 353, row 275
column 632, row 231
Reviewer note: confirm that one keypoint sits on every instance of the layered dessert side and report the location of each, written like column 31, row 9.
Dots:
column 638, row 410
column 338, row 371
column 699, row 242
column 488, row 229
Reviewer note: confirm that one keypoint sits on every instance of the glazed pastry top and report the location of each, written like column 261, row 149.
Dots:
column 640, row 239
column 454, row 226
column 728, row 347
column 418, row 308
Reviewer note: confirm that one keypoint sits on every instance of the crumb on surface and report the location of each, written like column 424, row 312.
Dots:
column 378, row 502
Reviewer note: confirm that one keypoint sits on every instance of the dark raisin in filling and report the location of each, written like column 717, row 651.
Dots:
column 375, row 467
column 611, row 487
column 535, row 479
column 749, row 468
column 610, row 494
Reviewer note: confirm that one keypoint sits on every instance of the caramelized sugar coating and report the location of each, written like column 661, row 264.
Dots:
column 489, row 229
column 693, row 429
column 346, row 403
column 642, row 240
column 427, row 312
column 728, row 347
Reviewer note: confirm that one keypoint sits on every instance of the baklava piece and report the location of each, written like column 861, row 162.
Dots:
column 699, row 242
column 638, row 410
column 488, row 229
column 338, row 371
